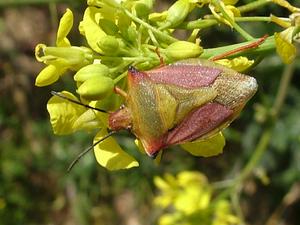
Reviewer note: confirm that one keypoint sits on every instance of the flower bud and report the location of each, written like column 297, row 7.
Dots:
column 183, row 50
column 90, row 71
column 96, row 88
column 129, row 33
column 48, row 75
column 143, row 8
column 109, row 45
column 108, row 26
column 177, row 13
column 64, row 56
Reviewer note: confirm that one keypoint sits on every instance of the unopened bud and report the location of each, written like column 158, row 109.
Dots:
column 143, row 8
column 108, row 26
column 109, row 45
column 64, row 56
column 183, row 50
column 96, row 88
column 91, row 71
column 177, row 13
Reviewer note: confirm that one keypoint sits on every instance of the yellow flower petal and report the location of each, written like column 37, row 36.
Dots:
column 110, row 155
column 287, row 5
column 230, row 2
column 49, row 75
column 239, row 64
column 63, row 113
column 65, row 25
column 210, row 147
column 87, row 121
column 90, row 28
column 285, row 49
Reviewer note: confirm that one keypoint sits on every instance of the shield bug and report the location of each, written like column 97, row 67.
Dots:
column 181, row 102
column 186, row 101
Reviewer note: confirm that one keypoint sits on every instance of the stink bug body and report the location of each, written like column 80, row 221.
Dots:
column 189, row 100
column 185, row 101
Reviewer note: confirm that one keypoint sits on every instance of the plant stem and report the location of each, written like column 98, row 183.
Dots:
column 266, row 136
column 164, row 36
column 205, row 23
column 264, row 48
column 283, row 88
column 253, row 5
column 239, row 29
column 27, row 2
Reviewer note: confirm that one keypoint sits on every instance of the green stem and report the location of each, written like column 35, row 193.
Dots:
column 253, row 5
column 266, row 136
column 205, row 23
column 264, row 48
column 239, row 29
column 53, row 19
column 258, row 152
column 117, row 79
column 283, row 88
column 26, row 2
column 164, row 36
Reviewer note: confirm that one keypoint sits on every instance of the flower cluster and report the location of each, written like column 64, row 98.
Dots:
column 120, row 33
column 187, row 198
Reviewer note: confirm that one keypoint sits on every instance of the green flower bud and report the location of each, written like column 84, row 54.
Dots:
column 90, row 71
column 143, row 8
column 130, row 34
column 96, row 88
column 177, row 13
column 183, row 50
column 71, row 57
column 109, row 45
column 108, row 26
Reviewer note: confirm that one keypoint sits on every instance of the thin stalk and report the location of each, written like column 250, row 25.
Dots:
column 117, row 79
column 166, row 37
column 205, row 23
column 53, row 18
column 264, row 48
column 26, row 2
column 253, row 5
column 239, row 29
column 266, row 136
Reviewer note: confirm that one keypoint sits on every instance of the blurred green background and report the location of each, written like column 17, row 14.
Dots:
column 35, row 187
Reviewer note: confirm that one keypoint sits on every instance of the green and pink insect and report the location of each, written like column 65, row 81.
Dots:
column 186, row 101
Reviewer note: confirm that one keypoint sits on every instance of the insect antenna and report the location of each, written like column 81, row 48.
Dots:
column 76, row 102
column 88, row 149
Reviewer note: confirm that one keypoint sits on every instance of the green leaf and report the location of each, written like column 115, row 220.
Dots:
column 209, row 147
column 63, row 113
column 110, row 155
